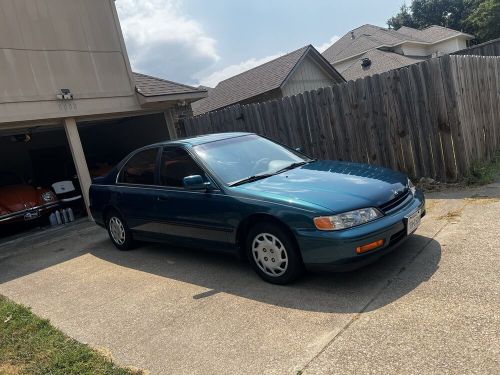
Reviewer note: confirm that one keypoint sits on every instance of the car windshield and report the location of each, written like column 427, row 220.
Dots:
column 9, row 179
column 241, row 159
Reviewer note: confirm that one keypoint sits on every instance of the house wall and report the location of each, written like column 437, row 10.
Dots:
column 449, row 46
column 306, row 77
column 47, row 45
column 410, row 49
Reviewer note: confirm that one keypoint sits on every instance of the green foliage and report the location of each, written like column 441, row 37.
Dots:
column 485, row 20
column 478, row 17
column 30, row 345
column 482, row 173
column 403, row 18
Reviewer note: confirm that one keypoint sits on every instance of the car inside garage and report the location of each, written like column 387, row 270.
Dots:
column 32, row 160
column 39, row 158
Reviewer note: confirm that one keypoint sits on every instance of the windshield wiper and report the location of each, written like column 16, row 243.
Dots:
column 293, row 165
column 251, row 179
column 265, row 175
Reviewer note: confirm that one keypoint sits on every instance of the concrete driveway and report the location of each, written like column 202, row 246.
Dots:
column 432, row 306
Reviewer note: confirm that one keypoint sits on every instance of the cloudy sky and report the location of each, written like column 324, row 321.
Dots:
column 205, row 41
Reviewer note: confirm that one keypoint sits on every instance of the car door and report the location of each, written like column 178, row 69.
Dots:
column 136, row 196
column 199, row 216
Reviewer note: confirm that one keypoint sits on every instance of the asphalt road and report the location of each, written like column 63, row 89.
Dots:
column 432, row 306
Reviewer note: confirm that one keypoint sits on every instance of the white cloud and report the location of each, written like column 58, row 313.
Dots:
column 322, row 47
column 229, row 71
column 162, row 41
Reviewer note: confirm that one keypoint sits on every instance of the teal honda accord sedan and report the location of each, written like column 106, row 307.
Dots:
column 242, row 193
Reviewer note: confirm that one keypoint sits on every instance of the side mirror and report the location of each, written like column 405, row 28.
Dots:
column 299, row 149
column 195, row 182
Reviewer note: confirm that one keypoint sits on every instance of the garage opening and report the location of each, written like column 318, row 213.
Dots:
column 33, row 161
column 106, row 142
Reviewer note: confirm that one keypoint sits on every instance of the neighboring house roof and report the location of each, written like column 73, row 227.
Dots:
column 259, row 80
column 153, row 90
column 431, row 34
column 367, row 37
column 381, row 61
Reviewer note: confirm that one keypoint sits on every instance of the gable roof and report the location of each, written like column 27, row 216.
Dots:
column 150, row 86
column 431, row 34
column 261, row 79
column 367, row 37
column 381, row 61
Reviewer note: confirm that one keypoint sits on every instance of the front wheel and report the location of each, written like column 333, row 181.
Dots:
column 273, row 254
column 118, row 231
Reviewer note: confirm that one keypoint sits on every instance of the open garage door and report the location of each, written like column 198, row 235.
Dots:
column 107, row 142
column 33, row 162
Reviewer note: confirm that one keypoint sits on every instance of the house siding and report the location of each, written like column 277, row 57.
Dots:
column 76, row 45
column 308, row 76
column 448, row 46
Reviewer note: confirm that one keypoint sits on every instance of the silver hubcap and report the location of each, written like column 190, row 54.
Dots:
column 270, row 254
column 117, row 230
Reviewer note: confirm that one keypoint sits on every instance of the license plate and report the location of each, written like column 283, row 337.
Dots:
column 31, row 215
column 413, row 221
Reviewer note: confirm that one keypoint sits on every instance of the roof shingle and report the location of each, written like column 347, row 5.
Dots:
column 149, row 86
column 367, row 37
column 253, row 82
column 381, row 61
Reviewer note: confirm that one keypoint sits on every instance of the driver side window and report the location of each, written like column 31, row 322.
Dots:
column 176, row 164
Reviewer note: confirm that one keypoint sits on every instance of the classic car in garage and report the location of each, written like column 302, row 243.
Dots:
column 20, row 201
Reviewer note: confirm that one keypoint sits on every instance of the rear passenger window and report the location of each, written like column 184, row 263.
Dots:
column 140, row 169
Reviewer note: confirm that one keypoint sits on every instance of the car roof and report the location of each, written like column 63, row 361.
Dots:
column 201, row 139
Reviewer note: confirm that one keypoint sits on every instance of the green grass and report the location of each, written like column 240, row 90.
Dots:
column 30, row 345
column 482, row 173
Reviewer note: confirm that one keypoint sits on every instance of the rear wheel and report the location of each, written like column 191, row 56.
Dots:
column 273, row 254
column 118, row 231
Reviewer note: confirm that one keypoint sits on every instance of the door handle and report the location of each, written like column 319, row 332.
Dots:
column 162, row 198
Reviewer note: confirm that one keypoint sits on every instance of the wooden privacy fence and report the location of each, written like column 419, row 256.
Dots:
column 432, row 119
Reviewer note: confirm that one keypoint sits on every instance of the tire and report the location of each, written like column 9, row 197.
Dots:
column 119, row 233
column 273, row 253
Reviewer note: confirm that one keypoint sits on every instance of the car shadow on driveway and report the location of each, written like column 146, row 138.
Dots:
column 320, row 292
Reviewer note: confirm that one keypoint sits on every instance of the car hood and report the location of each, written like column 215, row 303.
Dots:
column 19, row 197
column 336, row 186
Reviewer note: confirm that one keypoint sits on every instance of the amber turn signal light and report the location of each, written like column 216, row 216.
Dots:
column 323, row 223
column 369, row 246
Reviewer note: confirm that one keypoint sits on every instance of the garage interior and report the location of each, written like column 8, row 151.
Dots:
column 41, row 155
column 106, row 142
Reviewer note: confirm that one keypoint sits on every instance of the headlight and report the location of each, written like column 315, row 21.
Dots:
column 412, row 187
column 48, row 196
column 347, row 219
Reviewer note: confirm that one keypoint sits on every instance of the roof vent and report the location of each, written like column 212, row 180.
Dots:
column 365, row 62
column 352, row 35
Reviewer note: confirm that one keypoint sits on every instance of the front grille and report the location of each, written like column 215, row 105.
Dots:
column 395, row 202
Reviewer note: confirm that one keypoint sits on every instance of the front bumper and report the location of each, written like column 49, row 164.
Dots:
column 336, row 250
column 28, row 214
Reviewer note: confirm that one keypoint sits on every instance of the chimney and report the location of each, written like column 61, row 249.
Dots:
column 352, row 35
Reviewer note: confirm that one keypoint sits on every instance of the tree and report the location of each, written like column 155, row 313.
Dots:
column 478, row 17
column 403, row 18
column 485, row 20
